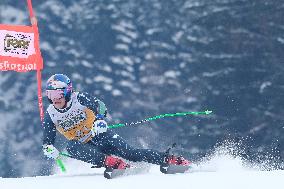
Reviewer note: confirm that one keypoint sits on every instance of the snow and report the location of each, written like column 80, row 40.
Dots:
column 221, row 171
column 126, row 29
column 264, row 85
column 12, row 15
column 243, row 180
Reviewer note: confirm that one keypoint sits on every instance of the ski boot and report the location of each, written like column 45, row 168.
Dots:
column 174, row 164
column 114, row 167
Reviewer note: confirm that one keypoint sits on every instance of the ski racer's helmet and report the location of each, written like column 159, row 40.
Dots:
column 58, row 86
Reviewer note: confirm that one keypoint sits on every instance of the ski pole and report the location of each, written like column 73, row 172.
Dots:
column 59, row 162
column 160, row 117
column 65, row 154
column 60, row 165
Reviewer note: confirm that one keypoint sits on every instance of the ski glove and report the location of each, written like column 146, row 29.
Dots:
column 50, row 151
column 100, row 125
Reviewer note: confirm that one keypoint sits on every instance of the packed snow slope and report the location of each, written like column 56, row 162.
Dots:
column 222, row 172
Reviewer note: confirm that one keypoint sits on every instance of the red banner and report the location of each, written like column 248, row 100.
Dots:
column 18, row 49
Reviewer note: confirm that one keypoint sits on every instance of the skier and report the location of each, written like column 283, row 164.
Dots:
column 80, row 118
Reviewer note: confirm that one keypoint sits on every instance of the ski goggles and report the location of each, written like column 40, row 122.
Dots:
column 55, row 94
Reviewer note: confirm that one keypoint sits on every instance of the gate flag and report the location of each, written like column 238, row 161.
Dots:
column 20, row 52
column 17, row 49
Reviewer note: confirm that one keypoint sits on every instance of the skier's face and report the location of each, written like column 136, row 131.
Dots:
column 57, row 98
column 59, row 103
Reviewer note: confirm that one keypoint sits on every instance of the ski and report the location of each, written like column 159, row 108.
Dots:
column 173, row 169
column 111, row 173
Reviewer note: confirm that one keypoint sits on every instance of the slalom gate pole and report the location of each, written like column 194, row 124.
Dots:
column 39, row 59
